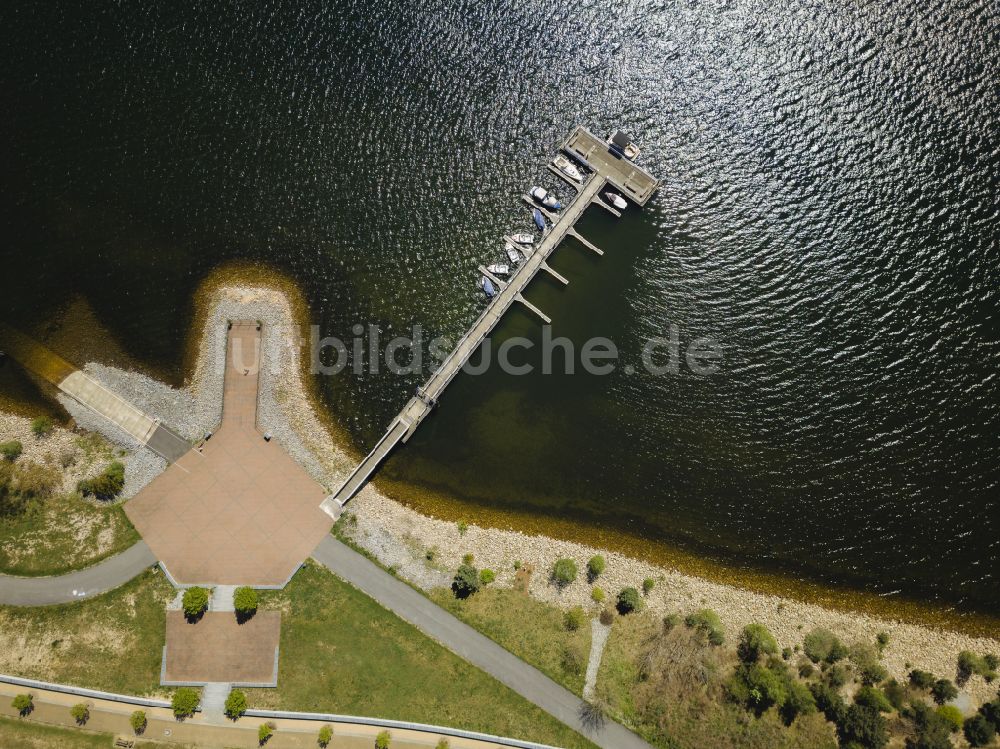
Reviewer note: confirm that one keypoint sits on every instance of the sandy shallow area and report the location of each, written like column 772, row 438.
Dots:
column 400, row 537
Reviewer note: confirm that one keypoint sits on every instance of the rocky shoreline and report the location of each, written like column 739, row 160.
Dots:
column 401, row 538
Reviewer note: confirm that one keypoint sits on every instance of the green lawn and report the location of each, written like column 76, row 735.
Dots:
column 531, row 630
column 112, row 642
column 61, row 533
column 28, row 734
column 342, row 652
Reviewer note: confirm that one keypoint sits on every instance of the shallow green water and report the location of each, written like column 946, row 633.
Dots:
column 828, row 213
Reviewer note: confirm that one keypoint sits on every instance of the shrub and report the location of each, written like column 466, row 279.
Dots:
column 185, row 702
column 969, row 663
column 799, row 702
column 517, row 565
column 836, row 675
column 647, row 586
column 707, row 623
column 863, row 726
column 265, row 732
column 462, row 527
column 41, row 426
column 23, row 703
column 80, row 713
column 466, row 581
column 865, row 658
column 874, row 698
column 882, row 640
column 325, row 736
column 138, row 721
column 574, row 618
column 595, row 566
column 382, row 740
column 921, row 679
column 442, row 744
column 11, row 450
column 245, row 602
column 105, row 485
column 755, row 641
column 607, row 617
column 597, row 595
column 952, row 716
column 236, row 704
column 758, row 687
column 895, row 693
column 822, row 645
column 564, row 572
column 991, row 711
column 828, row 701
column 429, row 556
column 194, row 602
column 572, row 660
column 467, row 558
column 487, row 576
column 978, row 731
column 670, row 621
column 931, row 730
column 628, row 601
column 943, row 690
column 806, row 669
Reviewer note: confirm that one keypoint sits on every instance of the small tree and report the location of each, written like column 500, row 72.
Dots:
column 195, row 602
column 628, row 601
column 236, row 704
column 185, row 702
column 647, row 586
column 466, row 582
column 245, row 601
column 874, row 698
column 564, row 572
column 80, row 713
column 921, row 679
column 943, row 690
column 325, row 736
column 138, row 721
column 41, row 426
column 11, row 450
column 265, row 732
column 822, row 645
column 595, row 566
column 978, row 731
column 23, row 703
column 487, row 576
column 756, row 641
column 573, row 619
column 382, row 740
column 863, row 726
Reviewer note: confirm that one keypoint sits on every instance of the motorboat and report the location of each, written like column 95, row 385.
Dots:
column 523, row 238
column 616, row 200
column 499, row 269
column 620, row 145
column 567, row 167
column 546, row 198
column 539, row 219
column 514, row 254
column 488, row 288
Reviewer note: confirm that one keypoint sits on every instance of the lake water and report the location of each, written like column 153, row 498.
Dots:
column 828, row 213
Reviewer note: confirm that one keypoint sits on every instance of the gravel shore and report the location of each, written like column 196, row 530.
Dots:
column 400, row 537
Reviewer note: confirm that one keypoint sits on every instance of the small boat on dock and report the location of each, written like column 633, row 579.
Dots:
column 499, row 269
column 523, row 238
column 488, row 288
column 567, row 167
column 539, row 219
column 546, row 198
column 620, row 144
column 514, row 255
column 616, row 200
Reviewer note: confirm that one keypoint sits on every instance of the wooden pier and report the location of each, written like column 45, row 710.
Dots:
column 604, row 170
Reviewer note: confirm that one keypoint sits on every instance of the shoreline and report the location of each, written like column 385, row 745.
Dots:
column 398, row 530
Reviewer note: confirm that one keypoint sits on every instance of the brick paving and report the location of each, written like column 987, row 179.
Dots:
column 239, row 510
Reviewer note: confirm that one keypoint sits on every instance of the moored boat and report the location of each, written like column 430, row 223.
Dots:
column 499, row 269
column 616, row 200
column 565, row 166
column 539, row 219
column 523, row 238
column 513, row 254
column 546, row 198
column 488, row 288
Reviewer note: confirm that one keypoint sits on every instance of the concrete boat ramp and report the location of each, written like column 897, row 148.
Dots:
column 605, row 168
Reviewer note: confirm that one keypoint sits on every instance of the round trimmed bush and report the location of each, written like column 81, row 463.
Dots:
column 628, row 601
column 80, row 713
column 195, row 602
column 382, row 740
column 943, row 690
column 236, row 704
column 564, row 572
column 325, row 736
column 185, row 702
column 138, row 721
column 23, row 703
column 245, row 600
column 487, row 576
column 597, row 595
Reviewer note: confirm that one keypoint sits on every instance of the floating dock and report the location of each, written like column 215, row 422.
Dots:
column 606, row 169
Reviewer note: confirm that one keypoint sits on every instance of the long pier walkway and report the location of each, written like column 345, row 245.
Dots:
column 605, row 169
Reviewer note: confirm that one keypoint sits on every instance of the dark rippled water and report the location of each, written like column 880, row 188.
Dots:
column 829, row 213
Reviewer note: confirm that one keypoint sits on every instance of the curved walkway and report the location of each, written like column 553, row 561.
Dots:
column 74, row 586
column 466, row 642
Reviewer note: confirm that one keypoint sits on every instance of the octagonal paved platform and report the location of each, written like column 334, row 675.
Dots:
column 239, row 511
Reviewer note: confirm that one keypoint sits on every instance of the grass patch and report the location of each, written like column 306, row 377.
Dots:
column 29, row 734
column 61, row 533
column 531, row 630
column 112, row 642
column 668, row 687
column 342, row 652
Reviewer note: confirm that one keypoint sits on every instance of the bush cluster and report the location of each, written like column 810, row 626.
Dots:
column 760, row 687
column 707, row 623
column 970, row 664
column 755, row 641
column 466, row 582
column 106, row 485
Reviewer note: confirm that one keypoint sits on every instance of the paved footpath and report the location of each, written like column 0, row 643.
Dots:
column 466, row 642
column 76, row 586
